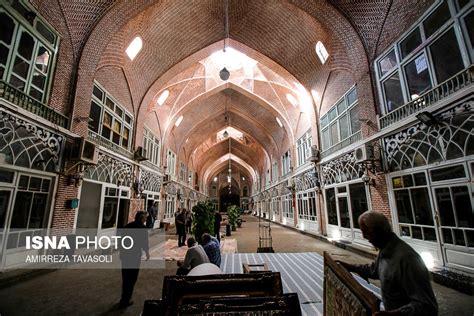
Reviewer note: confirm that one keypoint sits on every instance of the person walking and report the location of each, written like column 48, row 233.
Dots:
column 131, row 258
column 152, row 214
column 189, row 221
column 217, row 225
column 181, row 228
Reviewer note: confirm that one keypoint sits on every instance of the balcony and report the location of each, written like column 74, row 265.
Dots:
column 460, row 81
column 99, row 140
column 26, row 102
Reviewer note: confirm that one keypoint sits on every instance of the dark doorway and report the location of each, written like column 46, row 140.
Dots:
column 124, row 207
column 228, row 200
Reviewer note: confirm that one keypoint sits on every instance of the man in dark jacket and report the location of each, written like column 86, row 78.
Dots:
column 405, row 281
column 131, row 257
column 181, row 227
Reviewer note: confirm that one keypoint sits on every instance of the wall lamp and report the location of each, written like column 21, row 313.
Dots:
column 427, row 118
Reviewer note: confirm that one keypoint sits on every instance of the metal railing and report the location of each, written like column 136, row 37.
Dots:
column 346, row 142
column 450, row 86
column 99, row 140
column 21, row 99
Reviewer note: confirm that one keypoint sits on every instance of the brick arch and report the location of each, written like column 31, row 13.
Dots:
column 239, row 150
column 221, row 163
column 311, row 19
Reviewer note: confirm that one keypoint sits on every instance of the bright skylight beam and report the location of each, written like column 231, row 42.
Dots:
column 178, row 121
column 279, row 122
column 162, row 98
column 134, row 48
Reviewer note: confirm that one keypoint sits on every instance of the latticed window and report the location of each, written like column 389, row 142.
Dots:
column 341, row 121
column 27, row 50
column 151, row 144
column 286, row 163
column 108, row 118
column 171, row 161
column 428, row 54
column 303, row 147
column 287, row 203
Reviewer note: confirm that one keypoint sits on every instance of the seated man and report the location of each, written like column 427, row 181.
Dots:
column 212, row 249
column 194, row 257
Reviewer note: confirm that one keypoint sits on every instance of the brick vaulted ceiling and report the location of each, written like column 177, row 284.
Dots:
column 178, row 36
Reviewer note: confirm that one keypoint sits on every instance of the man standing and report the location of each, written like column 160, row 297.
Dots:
column 217, row 225
column 131, row 258
column 212, row 248
column 194, row 257
column 405, row 281
column 152, row 214
column 180, row 227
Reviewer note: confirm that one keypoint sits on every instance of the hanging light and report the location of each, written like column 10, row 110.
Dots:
column 224, row 74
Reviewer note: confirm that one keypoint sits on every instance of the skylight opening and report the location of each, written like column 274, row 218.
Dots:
column 178, row 121
column 316, row 96
column 134, row 48
column 292, row 100
column 321, row 52
column 231, row 132
column 279, row 122
column 215, row 179
column 162, row 98
column 232, row 59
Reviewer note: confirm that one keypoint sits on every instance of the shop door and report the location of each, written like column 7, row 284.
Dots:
column 454, row 209
column 5, row 198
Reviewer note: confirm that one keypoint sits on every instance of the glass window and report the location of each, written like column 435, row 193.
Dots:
column 94, row 115
column 115, row 125
column 411, row 42
column 387, row 63
column 393, row 92
column 463, row 206
column 6, row 176
column 446, row 56
column 436, row 19
column 341, row 106
column 344, row 127
column 351, row 97
column 334, row 134
column 109, row 215
column 422, row 206
column 358, row 201
column 445, row 206
column 462, row 3
column 469, row 23
column 355, row 121
column 331, row 206
column 25, row 65
column 447, row 236
column 453, row 172
column 332, row 114
column 418, row 77
column 344, row 212
column 325, row 138
column 98, row 93
column 404, row 210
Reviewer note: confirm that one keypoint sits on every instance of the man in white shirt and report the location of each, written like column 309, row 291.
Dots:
column 194, row 257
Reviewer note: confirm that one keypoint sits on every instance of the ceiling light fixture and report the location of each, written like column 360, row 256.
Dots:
column 224, row 74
